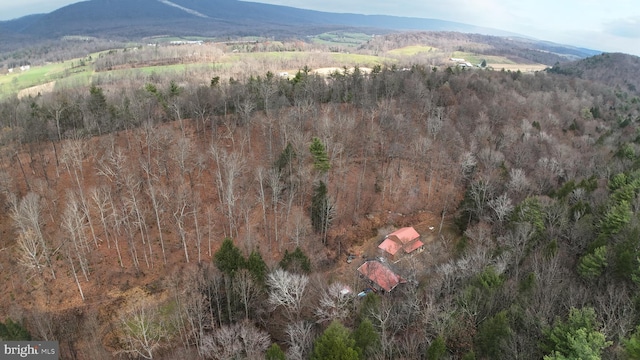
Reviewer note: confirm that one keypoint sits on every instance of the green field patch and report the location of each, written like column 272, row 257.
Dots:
column 273, row 55
column 12, row 83
column 411, row 50
column 339, row 38
column 166, row 39
column 476, row 59
column 176, row 69
column 37, row 75
column 358, row 59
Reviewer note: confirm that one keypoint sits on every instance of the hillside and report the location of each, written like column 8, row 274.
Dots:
column 117, row 198
column 134, row 20
column 614, row 69
column 518, row 50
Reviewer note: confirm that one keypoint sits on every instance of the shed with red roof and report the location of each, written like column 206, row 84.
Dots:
column 380, row 275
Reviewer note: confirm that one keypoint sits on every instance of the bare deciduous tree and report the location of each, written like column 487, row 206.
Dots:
column 468, row 163
column 615, row 307
column 518, row 182
column 517, row 240
column 299, row 226
column 502, row 207
column 73, row 155
column 30, row 251
column 192, row 317
column 142, row 331
column 334, row 303
column 182, row 156
column 260, row 175
column 158, row 207
column 287, row 290
column 245, row 286
column 111, row 165
column 435, row 122
column 134, row 204
column 26, row 215
column 230, row 167
column 73, row 271
column 100, row 197
column 273, row 179
column 240, row 340
column 382, row 318
column 300, row 339
column 195, row 210
column 73, row 222
column 180, row 207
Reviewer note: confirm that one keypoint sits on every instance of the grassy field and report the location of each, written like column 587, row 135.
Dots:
column 410, row 50
column 341, row 59
column 345, row 39
column 477, row 58
column 18, row 80
column 164, row 39
column 269, row 55
column 363, row 60
column 80, row 73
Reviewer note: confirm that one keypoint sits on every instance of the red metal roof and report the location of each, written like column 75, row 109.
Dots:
column 405, row 234
column 381, row 275
column 390, row 246
column 412, row 246
column 406, row 238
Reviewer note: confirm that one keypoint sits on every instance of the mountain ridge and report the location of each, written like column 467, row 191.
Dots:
column 189, row 16
column 123, row 20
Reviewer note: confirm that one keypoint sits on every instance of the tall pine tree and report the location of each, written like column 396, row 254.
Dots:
column 320, row 157
column 336, row 344
column 322, row 210
column 228, row 259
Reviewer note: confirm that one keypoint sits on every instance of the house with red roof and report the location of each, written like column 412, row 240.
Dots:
column 401, row 242
column 380, row 275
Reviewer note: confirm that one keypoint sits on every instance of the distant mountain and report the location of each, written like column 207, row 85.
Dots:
column 19, row 25
column 136, row 19
column 517, row 49
column 140, row 18
column 613, row 69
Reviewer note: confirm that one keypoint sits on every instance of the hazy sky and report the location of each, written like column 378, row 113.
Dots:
column 608, row 25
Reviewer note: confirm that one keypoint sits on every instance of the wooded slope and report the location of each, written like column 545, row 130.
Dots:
column 117, row 204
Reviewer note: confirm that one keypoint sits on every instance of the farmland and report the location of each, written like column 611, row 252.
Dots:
column 236, row 59
column 411, row 50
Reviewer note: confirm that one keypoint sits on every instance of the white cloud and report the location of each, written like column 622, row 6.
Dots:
column 625, row 28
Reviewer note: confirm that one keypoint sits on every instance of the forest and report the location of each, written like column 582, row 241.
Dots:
column 162, row 218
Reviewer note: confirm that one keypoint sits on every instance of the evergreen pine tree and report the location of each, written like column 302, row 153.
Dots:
column 228, row 259
column 320, row 157
column 13, row 331
column 437, row 349
column 256, row 266
column 366, row 338
column 335, row 343
column 296, row 261
column 275, row 353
